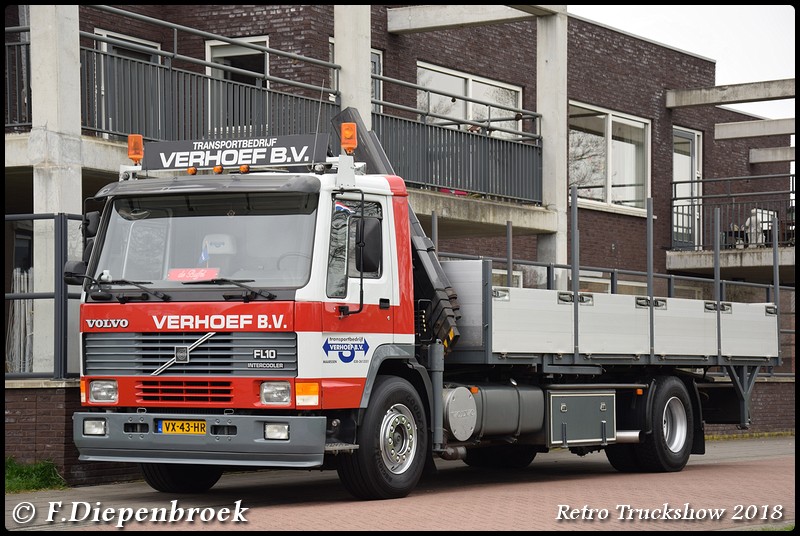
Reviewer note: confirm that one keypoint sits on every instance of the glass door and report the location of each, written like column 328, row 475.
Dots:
column 686, row 190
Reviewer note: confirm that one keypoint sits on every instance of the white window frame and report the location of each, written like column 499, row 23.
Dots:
column 156, row 60
column 133, row 40
column 229, row 50
column 611, row 116
column 470, row 79
column 697, row 140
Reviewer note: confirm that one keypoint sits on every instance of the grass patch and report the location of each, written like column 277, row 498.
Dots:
column 748, row 435
column 32, row 476
column 789, row 528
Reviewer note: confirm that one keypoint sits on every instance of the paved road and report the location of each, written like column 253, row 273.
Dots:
column 743, row 484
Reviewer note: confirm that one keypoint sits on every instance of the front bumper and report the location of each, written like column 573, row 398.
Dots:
column 229, row 440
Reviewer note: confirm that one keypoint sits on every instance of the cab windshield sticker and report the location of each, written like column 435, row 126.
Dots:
column 345, row 349
column 192, row 274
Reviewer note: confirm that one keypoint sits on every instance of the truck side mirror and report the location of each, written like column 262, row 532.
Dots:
column 91, row 222
column 74, row 272
column 369, row 247
column 368, row 254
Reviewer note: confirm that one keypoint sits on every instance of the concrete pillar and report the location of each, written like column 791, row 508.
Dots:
column 54, row 150
column 551, row 102
column 352, row 43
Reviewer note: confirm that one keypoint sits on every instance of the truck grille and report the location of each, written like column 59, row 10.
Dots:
column 184, row 391
column 224, row 354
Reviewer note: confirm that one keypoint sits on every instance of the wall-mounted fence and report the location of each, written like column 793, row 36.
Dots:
column 21, row 303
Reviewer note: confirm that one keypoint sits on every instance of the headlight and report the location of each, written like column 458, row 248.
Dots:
column 276, row 393
column 103, row 391
column 95, row 427
column 276, row 430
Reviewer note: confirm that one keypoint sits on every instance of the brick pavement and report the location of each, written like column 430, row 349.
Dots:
column 751, row 477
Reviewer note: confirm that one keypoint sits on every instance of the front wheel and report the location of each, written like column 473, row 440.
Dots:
column 180, row 478
column 668, row 448
column 392, row 443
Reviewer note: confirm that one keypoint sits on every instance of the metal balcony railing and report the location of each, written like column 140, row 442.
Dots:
column 754, row 212
column 170, row 97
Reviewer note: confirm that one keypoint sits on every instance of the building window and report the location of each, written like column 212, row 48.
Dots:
column 115, row 84
column 687, row 175
column 239, row 57
column 376, row 63
column 609, row 155
column 237, row 106
column 445, row 99
column 133, row 52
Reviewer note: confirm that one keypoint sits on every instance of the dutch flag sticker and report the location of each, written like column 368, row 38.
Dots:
column 341, row 207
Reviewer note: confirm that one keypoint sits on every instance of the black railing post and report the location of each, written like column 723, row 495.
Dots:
column 60, row 297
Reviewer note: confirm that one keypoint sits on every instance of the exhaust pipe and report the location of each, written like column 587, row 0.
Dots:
column 453, row 453
column 629, row 436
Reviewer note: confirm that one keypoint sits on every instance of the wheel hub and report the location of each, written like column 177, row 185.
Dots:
column 674, row 424
column 398, row 438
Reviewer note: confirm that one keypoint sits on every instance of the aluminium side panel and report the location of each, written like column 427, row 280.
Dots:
column 685, row 327
column 613, row 324
column 749, row 330
column 527, row 320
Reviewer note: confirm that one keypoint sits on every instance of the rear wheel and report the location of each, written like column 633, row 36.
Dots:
column 667, row 449
column 392, row 443
column 180, row 478
column 623, row 458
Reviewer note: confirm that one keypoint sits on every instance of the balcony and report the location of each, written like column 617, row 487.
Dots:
column 168, row 96
column 748, row 221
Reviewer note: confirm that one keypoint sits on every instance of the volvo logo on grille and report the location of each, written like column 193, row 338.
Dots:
column 181, row 354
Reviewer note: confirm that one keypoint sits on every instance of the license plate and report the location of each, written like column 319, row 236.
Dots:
column 182, row 427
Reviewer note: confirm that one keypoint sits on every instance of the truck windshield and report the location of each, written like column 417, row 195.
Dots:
column 264, row 238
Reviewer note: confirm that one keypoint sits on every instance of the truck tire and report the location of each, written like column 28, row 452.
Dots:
column 501, row 456
column 392, row 443
column 667, row 449
column 623, row 458
column 180, row 478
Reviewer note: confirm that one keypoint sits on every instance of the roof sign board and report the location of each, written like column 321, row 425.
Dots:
column 255, row 152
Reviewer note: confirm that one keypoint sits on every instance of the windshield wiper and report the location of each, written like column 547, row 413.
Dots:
column 138, row 284
column 247, row 296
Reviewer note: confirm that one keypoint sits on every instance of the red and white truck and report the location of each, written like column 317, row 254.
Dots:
column 300, row 318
